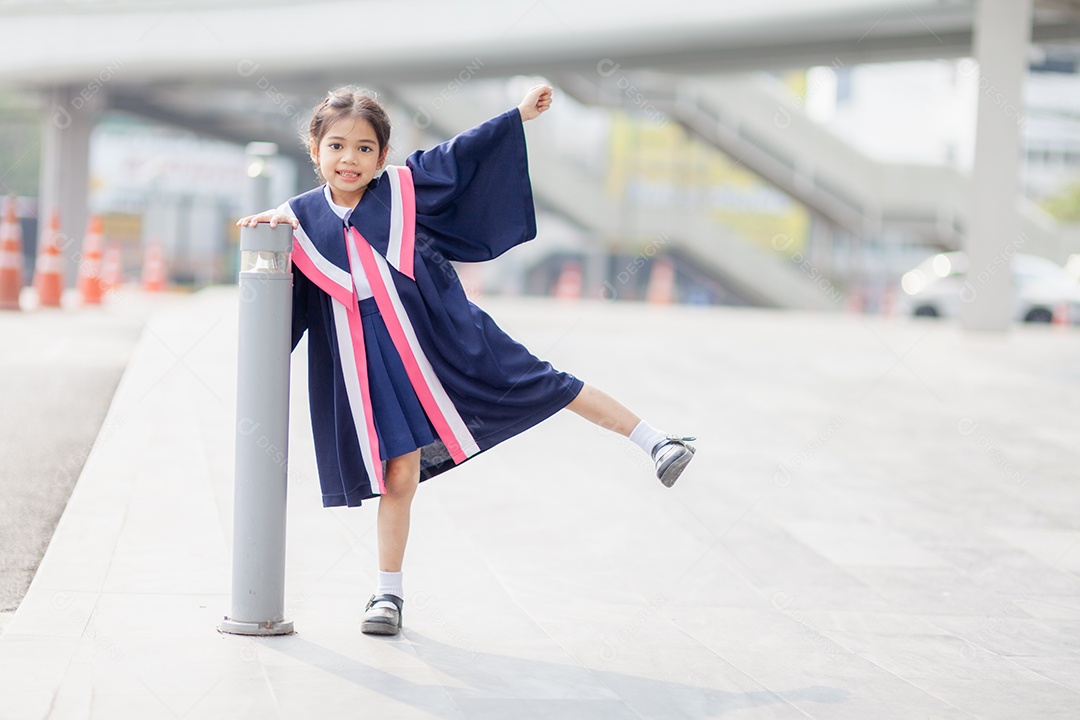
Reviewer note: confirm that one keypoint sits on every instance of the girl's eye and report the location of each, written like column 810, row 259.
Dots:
column 365, row 148
column 335, row 146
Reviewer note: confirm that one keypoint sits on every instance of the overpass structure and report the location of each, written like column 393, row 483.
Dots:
column 245, row 70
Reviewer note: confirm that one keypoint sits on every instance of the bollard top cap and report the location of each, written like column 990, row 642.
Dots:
column 264, row 237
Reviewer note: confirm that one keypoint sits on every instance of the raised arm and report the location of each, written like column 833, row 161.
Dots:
column 473, row 197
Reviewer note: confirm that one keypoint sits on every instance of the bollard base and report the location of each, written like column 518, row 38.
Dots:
column 236, row 627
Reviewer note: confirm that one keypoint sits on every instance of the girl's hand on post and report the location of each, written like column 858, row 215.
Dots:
column 271, row 216
column 536, row 101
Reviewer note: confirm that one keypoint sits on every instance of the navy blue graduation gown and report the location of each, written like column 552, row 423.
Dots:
column 418, row 365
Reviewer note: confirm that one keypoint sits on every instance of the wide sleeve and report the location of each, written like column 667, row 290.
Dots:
column 473, row 196
column 302, row 289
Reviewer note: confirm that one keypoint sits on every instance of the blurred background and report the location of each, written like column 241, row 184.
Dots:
column 783, row 154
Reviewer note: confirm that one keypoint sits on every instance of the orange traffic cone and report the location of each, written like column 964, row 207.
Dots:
column 854, row 303
column 569, row 284
column 472, row 280
column 48, row 271
column 1061, row 314
column 888, row 302
column 661, row 290
column 88, row 279
column 154, row 275
column 11, row 257
column 112, row 267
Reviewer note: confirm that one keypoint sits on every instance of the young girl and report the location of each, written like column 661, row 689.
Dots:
column 407, row 378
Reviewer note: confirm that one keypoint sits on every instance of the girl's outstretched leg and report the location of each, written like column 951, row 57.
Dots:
column 671, row 453
column 382, row 616
column 598, row 407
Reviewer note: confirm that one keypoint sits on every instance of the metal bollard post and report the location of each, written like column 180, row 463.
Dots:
column 262, row 433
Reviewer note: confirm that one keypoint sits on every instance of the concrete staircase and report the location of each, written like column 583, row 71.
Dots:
column 565, row 187
column 756, row 120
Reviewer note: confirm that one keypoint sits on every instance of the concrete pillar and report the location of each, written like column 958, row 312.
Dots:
column 1002, row 36
column 70, row 114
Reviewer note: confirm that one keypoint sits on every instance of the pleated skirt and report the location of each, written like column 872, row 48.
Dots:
column 400, row 420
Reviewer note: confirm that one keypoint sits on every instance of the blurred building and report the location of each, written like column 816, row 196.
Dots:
column 924, row 111
column 156, row 184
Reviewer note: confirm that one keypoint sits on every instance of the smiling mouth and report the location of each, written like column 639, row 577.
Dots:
column 346, row 175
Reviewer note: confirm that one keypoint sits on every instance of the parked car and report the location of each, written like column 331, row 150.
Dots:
column 939, row 286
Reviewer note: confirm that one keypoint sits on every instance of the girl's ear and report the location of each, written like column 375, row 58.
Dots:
column 313, row 151
column 382, row 157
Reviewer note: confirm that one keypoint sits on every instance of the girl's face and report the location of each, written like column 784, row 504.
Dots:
column 348, row 157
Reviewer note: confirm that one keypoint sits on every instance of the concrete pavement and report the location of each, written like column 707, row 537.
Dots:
column 883, row 521
column 58, row 372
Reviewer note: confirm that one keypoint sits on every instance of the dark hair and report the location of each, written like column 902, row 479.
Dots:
column 345, row 102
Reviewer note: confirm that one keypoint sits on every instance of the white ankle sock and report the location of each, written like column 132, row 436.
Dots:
column 390, row 584
column 646, row 437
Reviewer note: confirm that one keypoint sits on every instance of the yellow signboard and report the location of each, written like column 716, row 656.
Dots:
column 655, row 164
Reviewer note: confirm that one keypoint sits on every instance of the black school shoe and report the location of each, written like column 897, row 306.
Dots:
column 671, row 456
column 382, row 616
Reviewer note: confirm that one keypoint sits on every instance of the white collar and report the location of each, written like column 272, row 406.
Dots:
column 340, row 210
